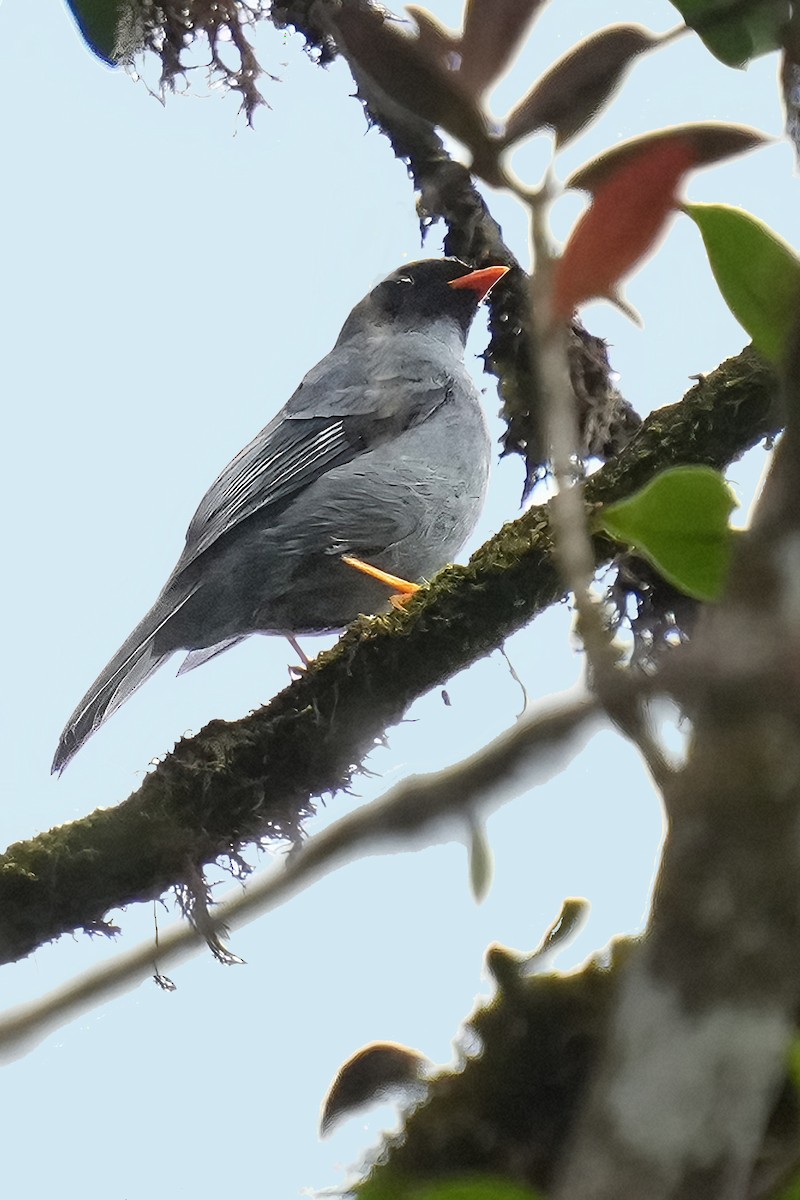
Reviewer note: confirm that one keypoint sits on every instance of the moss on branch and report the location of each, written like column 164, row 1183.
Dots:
column 236, row 783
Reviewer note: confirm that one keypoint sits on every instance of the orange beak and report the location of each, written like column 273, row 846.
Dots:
column 481, row 281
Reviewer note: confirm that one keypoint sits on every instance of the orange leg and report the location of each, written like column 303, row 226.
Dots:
column 403, row 588
column 299, row 651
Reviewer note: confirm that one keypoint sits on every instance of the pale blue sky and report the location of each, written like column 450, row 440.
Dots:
column 169, row 276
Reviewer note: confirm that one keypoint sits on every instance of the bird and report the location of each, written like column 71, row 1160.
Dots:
column 379, row 460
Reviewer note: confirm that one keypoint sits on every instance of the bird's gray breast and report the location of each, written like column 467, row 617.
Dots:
column 433, row 478
column 406, row 503
column 407, row 506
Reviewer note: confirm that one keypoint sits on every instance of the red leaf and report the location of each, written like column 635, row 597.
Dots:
column 629, row 210
column 712, row 141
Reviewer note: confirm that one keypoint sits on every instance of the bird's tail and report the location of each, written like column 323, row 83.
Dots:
column 136, row 660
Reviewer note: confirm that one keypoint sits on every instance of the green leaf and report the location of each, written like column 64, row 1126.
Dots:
column 794, row 1062
column 735, row 32
column 679, row 522
column 98, row 21
column 473, row 1188
column 790, row 1192
column 757, row 273
column 481, row 862
column 384, row 1185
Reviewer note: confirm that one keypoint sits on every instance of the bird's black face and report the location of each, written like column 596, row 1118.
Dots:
column 421, row 291
column 418, row 293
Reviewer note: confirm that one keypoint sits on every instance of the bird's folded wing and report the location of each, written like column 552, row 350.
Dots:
column 301, row 444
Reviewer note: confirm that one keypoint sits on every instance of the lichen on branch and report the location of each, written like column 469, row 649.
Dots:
column 171, row 29
column 241, row 782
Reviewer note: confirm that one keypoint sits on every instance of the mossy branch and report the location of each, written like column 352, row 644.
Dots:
column 236, row 783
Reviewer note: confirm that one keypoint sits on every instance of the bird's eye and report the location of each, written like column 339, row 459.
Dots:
column 404, row 279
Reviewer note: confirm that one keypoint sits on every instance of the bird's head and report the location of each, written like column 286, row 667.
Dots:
column 421, row 293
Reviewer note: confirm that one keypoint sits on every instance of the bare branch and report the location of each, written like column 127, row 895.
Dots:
column 411, row 814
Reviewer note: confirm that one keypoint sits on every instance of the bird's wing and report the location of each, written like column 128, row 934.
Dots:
column 336, row 414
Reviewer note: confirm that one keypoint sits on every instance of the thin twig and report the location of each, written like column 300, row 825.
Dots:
column 527, row 754
column 573, row 548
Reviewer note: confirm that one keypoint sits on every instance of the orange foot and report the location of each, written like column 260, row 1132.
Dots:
column 404, row 590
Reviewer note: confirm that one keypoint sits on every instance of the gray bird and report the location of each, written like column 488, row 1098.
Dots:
column 382, row 454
